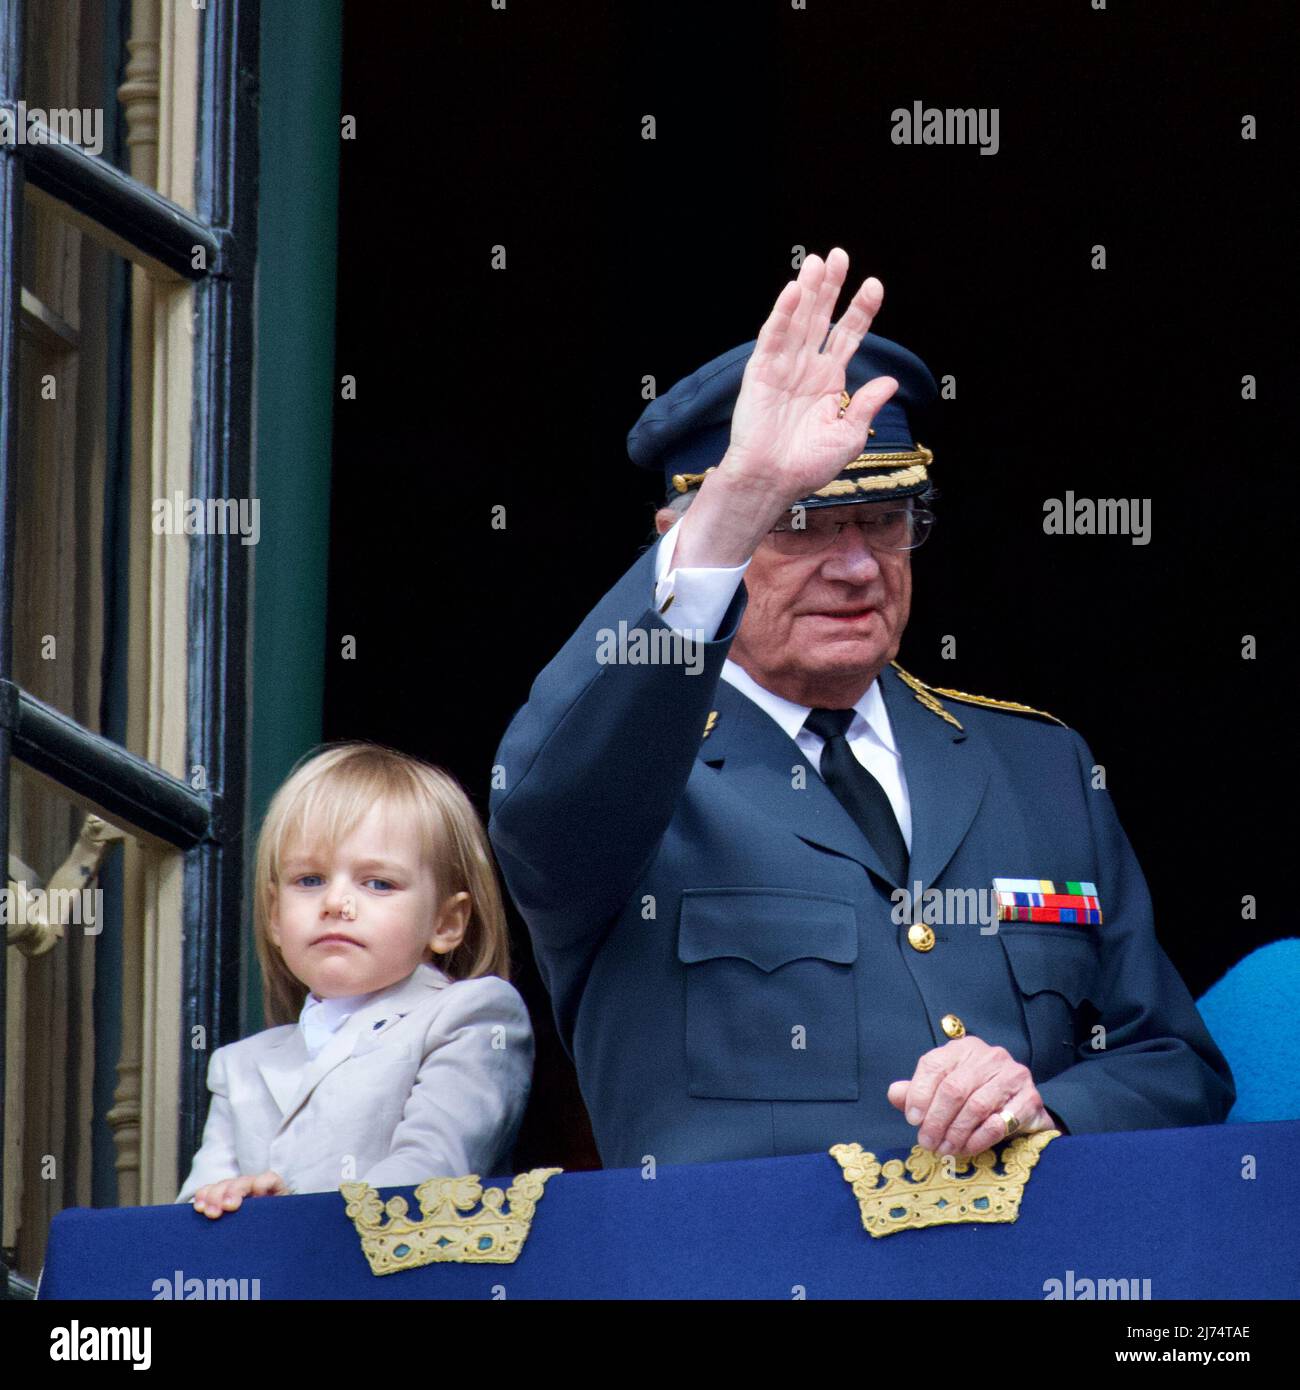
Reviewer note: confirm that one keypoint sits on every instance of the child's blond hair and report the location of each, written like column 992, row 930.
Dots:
column 322, row 802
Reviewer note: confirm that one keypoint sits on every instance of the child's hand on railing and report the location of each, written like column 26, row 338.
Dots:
column 218, row 1197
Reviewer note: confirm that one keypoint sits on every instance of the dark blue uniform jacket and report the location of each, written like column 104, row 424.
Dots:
column 718, row 936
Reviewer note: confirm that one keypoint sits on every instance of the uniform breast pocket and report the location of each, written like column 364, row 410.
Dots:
column 771, row 1010
column 1058, row 973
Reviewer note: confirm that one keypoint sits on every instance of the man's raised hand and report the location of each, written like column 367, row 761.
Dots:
column 788, row 438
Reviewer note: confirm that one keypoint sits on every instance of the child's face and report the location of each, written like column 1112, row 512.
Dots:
column 364, row 916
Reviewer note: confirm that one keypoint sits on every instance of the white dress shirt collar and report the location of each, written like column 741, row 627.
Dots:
column 870, row 708
column 321, row 1017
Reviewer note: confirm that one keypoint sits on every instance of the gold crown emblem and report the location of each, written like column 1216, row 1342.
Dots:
column 489, row 1236
column 941, row 1191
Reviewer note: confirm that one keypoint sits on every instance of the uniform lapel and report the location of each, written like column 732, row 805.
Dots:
column 946, row 775
column 291, row 1076
column 757, row 758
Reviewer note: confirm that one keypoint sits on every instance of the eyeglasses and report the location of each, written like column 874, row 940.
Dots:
column 902, row 529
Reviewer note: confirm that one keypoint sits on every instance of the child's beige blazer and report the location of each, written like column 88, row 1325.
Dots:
column 427, row 1079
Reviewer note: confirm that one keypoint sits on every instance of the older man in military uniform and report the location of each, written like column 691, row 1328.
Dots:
column 710, row 842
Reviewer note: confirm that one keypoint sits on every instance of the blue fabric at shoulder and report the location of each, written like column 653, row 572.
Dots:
column 1250, row 1012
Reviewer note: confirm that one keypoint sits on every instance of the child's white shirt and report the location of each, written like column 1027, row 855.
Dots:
column 322, row 1017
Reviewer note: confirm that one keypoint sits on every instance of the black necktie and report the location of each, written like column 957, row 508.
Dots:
column 858, row 791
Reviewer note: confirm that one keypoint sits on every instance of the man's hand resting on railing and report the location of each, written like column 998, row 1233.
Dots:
column 959, row 1093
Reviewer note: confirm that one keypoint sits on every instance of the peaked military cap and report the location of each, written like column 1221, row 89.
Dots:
column 685, row 431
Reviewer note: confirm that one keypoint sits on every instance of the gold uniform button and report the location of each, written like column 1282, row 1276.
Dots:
column 920, row 937
column 953, row 1026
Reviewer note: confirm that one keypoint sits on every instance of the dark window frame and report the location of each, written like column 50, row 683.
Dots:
column 206, row 825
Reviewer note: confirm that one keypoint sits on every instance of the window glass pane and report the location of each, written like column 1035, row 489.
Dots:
column 72, row 619
column 75, row 59
column 62, row 910
column 102, row 548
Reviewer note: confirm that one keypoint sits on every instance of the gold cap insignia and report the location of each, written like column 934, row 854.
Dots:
column 907, row 468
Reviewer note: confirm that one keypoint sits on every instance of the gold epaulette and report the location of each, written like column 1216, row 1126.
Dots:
column 932, row 690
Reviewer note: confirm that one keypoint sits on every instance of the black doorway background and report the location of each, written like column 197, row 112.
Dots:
column 627, row 257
